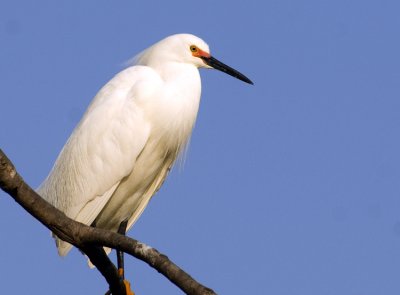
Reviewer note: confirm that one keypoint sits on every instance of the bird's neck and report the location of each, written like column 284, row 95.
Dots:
column 181, row 92
column 177, row 72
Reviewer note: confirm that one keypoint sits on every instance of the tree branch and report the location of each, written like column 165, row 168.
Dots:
column 90, row 240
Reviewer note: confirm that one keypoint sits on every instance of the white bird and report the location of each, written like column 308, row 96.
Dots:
column 124, row 146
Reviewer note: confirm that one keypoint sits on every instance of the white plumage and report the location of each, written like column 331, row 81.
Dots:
column 121, row 151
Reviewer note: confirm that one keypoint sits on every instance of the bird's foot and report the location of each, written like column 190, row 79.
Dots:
column 128, row 289
column 127, row 284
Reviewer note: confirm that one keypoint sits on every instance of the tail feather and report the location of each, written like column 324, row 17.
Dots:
column 62, row 246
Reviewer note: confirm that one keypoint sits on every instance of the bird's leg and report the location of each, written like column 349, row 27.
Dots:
column 120, row 254
column 120, row 262
column 120, row 259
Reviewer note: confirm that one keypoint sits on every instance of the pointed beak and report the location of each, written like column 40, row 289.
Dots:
column 216, row 64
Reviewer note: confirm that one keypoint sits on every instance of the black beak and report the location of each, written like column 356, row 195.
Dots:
column 216, row 64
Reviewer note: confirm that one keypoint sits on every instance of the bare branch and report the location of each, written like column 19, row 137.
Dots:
column 90, row 240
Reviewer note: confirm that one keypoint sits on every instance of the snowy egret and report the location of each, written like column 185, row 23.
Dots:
column 124, row 146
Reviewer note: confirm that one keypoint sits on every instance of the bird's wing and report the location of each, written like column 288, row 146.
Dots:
column 155, row 186
column 103, row 148
column 86, row 216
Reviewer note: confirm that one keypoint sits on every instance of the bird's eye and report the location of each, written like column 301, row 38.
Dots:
column 193, row 48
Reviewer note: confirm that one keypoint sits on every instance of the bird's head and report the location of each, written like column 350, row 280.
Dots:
column 189, row 49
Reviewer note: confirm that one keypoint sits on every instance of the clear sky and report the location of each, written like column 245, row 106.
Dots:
column 290, row 186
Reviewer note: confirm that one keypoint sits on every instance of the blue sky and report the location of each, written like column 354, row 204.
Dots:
column 290, row 186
